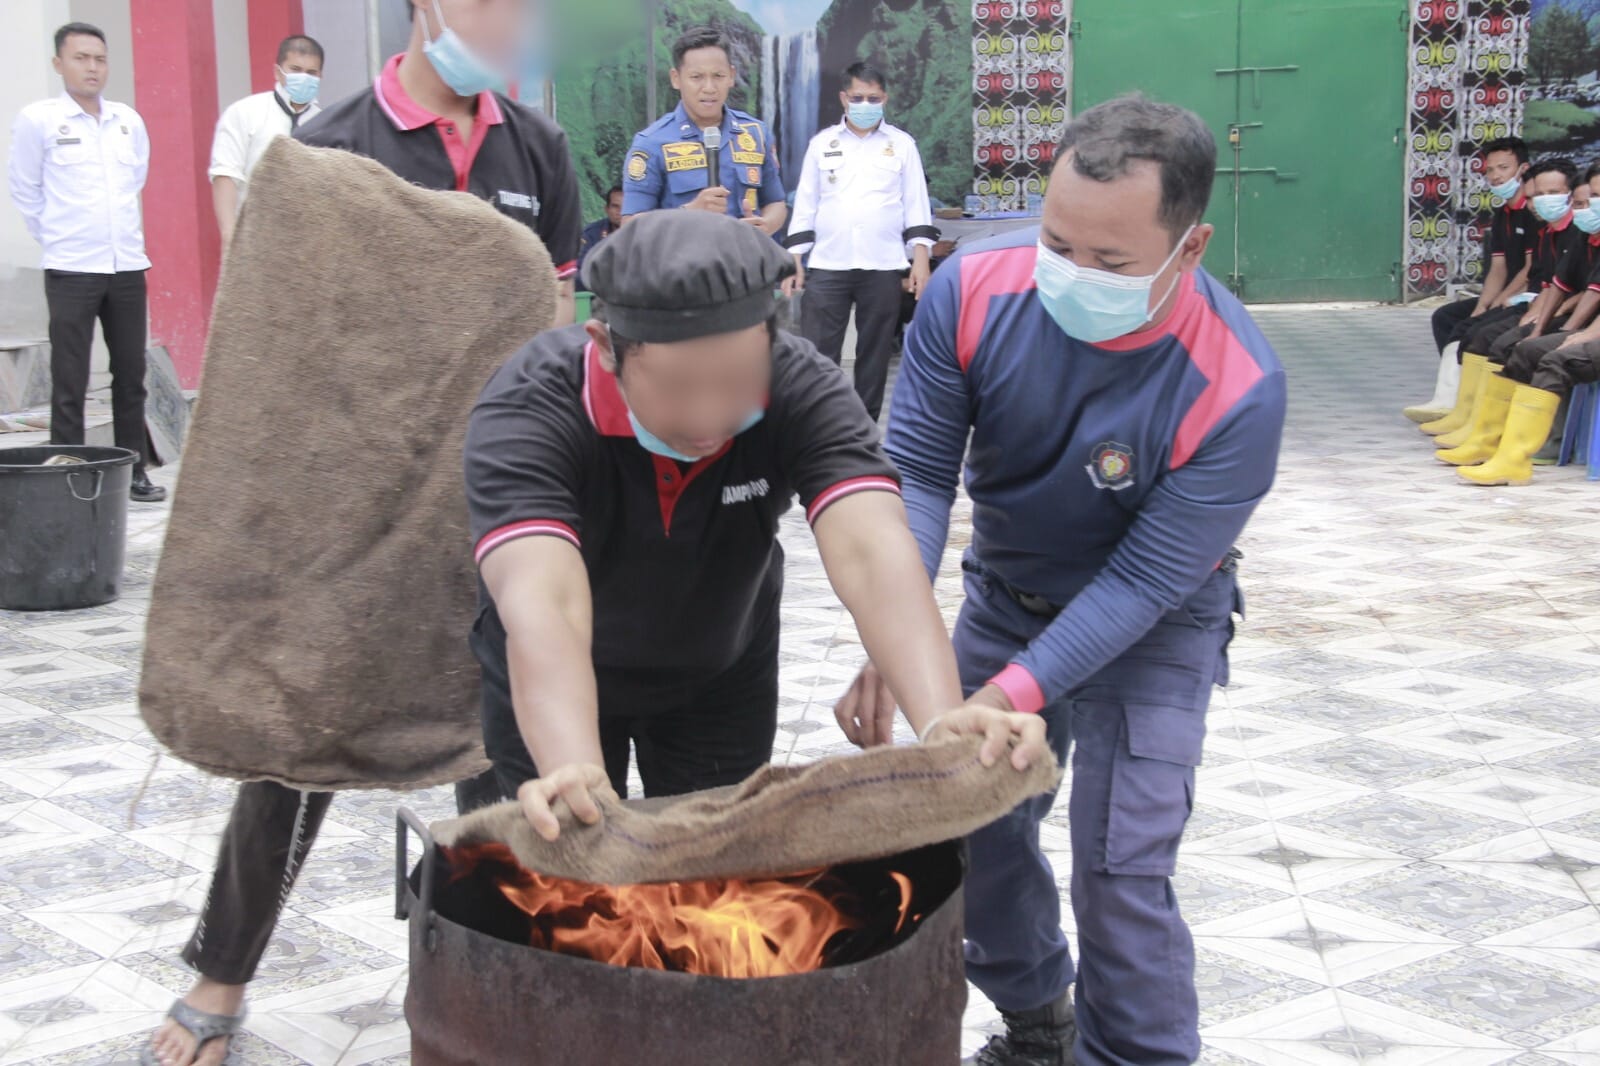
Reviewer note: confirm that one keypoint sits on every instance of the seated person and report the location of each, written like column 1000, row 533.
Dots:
column 1552, row 182
column 599, row 230
column 1504, row 270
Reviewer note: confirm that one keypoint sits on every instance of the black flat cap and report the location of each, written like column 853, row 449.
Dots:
column 672, row 275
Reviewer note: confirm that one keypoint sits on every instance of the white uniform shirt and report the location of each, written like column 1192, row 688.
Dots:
column 76, row 180
column 862, row 202
column 245, row 130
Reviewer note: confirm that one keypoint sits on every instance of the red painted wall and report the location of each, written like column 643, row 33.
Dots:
column 175, row 90
column 270, row 22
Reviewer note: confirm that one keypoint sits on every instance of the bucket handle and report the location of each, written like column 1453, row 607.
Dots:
column 405, row 823
column 99, row 483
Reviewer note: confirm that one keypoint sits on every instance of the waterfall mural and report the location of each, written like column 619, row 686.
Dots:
column 792, row 96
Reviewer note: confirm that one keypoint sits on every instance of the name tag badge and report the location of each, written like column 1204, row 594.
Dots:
column 684, row 155
column 62, row 141
column 754, row 159
column 519, row 199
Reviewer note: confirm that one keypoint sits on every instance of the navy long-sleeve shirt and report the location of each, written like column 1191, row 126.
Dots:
column 1108, row 478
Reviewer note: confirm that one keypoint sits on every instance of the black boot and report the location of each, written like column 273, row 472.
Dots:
column 1039, row 1037
column 144, row 490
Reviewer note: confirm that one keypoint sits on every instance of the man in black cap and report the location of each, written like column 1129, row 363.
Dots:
column 625, row 481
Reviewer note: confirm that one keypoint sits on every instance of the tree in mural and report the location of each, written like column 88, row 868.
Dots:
column 1558, row 45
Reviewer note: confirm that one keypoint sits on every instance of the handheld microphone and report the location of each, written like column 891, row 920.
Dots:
column 713, row 139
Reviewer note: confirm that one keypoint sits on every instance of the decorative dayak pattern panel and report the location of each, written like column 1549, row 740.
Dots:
column 1467, row 59
column 1019, row 85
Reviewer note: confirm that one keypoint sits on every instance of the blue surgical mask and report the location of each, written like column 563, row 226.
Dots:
column 299, row 87
column 1552, row 207
column 458, row 66
column 656, row 446
column 1097, row 305
column 1587, row 219
column 864, row 116
column 1508, row 189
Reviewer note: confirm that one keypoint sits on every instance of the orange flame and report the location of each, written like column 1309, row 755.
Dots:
column 730, row 927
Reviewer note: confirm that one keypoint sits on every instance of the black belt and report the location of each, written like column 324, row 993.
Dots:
column 1040, row 607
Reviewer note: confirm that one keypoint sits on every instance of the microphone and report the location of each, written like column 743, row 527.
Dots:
column 713, row 139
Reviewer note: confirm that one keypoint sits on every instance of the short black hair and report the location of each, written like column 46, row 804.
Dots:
column 621, row 346
column 73, row 29
column 699, row 37
column 1559, row 163
column 1515, row 145
column 300, row 44
column 1107, row 139
column 1592, row 173
column 612, row 192
column 863, row 71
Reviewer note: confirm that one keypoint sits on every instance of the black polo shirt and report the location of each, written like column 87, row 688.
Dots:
column 1551, row 242
column 1579, row 268
column 1510, row 232
column 683, row 559
column 515, row 158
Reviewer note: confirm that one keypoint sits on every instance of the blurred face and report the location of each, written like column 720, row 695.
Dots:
column 1501, row 167
column 863, row 92
column 82, row 64
column 1550, row 183
column 1115, row 226
column 1581, row 195
column 614, row 209
column 704, row 80
column 491, row 28
column 298, row 63
column 694, row 394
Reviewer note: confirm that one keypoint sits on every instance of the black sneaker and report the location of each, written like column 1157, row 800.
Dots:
column 144, row 490
column 1040, row 1037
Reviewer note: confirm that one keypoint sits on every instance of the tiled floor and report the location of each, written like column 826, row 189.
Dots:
column 1395, row 858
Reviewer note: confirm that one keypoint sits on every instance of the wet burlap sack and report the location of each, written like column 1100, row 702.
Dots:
column 310, row 615
column 780, row 820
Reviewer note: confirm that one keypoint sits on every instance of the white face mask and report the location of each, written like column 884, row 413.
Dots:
column 1097, row 305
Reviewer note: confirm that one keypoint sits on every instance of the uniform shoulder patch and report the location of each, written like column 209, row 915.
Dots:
column 684, row 155
column 638, row 165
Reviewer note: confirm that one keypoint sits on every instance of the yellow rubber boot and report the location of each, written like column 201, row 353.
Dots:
column 1455, row 438
column 1488, row 424
column 1528, row 426
column 1472, row 368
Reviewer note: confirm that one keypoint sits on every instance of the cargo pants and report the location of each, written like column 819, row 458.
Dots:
column 1134, row 732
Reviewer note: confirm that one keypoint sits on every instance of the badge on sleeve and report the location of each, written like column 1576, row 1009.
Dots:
column 638, row 166
column 1111, row 466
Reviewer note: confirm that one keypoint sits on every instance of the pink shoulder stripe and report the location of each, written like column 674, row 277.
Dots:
column 985, row 275
column 1230, row 372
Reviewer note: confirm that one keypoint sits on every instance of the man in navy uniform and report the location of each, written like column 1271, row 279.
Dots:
column 670, row 164
column 1125, row 416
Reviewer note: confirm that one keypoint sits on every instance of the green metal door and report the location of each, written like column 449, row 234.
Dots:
column 1307, row 101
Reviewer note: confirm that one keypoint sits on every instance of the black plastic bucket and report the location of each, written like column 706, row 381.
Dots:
column 63, row 528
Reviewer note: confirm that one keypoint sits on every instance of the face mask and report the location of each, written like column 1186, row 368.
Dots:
column 1097, row 305
column 1507, row 190
column 458, row 65
column 1587, row 219
column 864, row 116
column 656, row 446
column 299, row 87
column 1552, row 207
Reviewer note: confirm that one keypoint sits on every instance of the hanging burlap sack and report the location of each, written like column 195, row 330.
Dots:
column 310, row 614
column 781, row 819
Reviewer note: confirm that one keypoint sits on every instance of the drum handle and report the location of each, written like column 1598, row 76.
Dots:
column 406, row 822
column 99, row 483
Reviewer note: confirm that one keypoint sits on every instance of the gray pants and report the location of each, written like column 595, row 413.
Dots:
column 1539, row 363
column 825, row 316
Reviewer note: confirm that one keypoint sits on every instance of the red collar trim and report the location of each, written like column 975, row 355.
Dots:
column 1558, row 227
column 1186, row 307
column 407, row 114
column 1518, row 204
column 602, row 399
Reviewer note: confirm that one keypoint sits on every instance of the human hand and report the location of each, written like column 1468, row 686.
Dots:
column 713, row 199
column 796, row 283
column 866, row 713
column 756, row 219
column 576, row 785
column 919, row 278
column 988, row 714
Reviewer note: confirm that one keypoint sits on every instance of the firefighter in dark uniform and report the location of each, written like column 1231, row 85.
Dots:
column 670, row 164
column 624, row 482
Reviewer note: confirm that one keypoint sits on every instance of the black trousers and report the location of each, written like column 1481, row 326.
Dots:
column 716, row 736
column 1489, row 327
column 118, row 302
column 1539, row 363
column 1453, row 322
column 825, row 316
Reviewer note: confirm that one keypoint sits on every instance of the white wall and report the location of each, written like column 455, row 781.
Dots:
column 340, row 26
column 232, row 21
column 25, row 76
column 115, row 18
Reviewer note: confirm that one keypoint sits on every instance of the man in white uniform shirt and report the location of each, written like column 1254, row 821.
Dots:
column 248, row 126
column 78, row 165
column 861, row 204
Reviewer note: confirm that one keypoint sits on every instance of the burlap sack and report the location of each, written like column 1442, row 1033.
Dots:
column 310, row 615
column 780, row 820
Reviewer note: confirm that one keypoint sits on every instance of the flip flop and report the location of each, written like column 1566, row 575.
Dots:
column 198, row 1024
